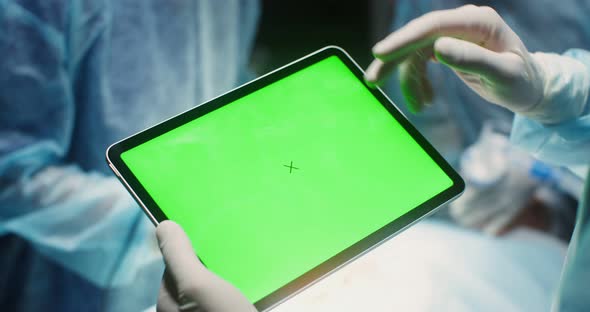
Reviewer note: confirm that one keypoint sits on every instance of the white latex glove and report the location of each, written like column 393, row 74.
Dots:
column 187, row 285
column 486, row 54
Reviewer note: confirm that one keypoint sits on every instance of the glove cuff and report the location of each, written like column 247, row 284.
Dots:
column 565, row 88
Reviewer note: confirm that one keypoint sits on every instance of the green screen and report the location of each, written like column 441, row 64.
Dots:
column 278, row 181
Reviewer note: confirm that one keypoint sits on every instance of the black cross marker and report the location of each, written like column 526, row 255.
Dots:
column 291, row 167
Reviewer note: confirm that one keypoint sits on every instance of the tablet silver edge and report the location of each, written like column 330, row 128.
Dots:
column 323, row 276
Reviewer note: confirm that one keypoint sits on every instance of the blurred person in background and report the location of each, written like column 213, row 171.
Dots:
column 76, row 76
column 536, row 194
column 548, row 92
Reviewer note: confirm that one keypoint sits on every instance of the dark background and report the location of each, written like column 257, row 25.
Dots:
column 290, row 29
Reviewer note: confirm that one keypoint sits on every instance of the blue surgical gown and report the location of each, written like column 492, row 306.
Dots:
column 76, row 76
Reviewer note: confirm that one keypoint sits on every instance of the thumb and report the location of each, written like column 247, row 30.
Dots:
column 194, row 282
column 178, row 253
column 468, row 57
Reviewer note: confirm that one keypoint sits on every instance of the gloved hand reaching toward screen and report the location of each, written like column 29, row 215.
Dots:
column 487, row 55
column 187, row 285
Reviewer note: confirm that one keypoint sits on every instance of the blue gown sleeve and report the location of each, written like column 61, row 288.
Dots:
column 573, row 291
column 80, row 220
column 567, row 143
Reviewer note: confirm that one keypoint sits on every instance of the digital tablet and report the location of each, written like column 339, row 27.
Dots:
column 288, row 177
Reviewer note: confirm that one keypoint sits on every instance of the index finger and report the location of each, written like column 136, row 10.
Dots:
column 468, row 22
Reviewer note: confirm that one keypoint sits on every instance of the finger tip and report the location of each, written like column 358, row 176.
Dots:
column 442, row 49
column 166, row 224
column 370, row 84
column 371, row 75
column 444, row 42
column 376, row 49
column 379, row 51
column 371, row 81
column 165, row 228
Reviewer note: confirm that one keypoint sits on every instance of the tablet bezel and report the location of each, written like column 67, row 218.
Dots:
column 156, row 215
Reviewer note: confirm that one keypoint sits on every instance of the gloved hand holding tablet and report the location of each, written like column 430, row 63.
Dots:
column 285, row 179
